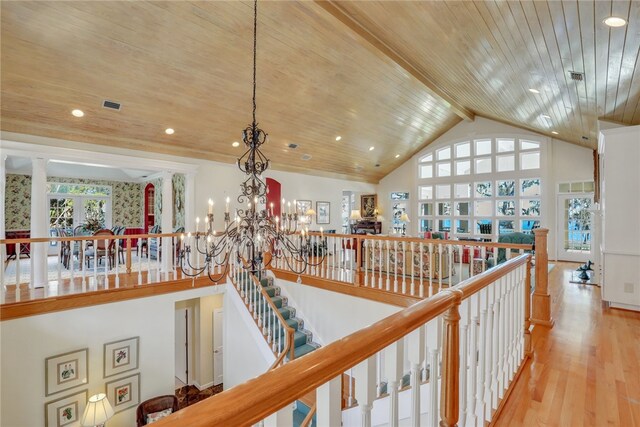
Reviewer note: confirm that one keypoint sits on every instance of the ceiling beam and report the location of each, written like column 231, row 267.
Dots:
column 339, row 13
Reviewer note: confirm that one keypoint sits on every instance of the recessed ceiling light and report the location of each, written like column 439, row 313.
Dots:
column 372, row 148
column 615, row 21
column 235, row 144
column 169, row 131
column 554, row 132
column 545, row 116
column 532, row 90
column 397, row 155
column 338, row 138
column 78, row 113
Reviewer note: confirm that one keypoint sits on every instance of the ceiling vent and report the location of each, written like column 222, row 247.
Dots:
column 575, row 75
column 293, row 146
column 585, row 138
column 111, row 105
column 306, row 157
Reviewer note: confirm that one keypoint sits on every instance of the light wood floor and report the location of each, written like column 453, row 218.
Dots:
column 586, row 369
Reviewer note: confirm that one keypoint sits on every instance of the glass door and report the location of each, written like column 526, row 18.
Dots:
column 61, row 216
column 574, row 237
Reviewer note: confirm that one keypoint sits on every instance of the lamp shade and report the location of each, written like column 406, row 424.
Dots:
column 404, row 218
column 310, row 212
column 355, row 214
column 380, row 218
column 98, row 411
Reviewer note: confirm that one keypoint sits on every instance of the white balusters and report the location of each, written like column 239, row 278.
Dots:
column 365, row 373
column 416, row 354
column 329, row 403
column 394, row 359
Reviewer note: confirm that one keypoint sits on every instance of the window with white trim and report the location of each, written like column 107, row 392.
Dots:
column 482, row 181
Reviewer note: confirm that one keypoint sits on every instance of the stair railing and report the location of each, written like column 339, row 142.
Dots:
column 471, row 339
column 265, row 314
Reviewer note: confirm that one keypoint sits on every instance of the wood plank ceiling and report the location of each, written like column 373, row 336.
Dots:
column 389, row 75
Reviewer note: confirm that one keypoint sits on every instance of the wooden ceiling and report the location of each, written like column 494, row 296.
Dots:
column 392, row 75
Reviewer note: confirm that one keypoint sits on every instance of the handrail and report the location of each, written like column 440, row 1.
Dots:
column 307, row 420
column 447, row 242
column 290, row 332
column 252, row 401
column 90, row 237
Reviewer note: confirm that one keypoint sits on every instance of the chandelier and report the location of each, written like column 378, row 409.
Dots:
column 254, row 230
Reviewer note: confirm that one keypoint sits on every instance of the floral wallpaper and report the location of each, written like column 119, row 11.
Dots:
column 17, row 202
column 178, row 199
column 126, row 200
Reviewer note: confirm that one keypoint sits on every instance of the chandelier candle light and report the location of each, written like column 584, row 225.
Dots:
column 255, row 230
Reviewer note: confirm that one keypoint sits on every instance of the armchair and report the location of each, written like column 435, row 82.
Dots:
column 154, row 405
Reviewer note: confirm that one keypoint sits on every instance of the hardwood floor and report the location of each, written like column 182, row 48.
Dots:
column 585, row 370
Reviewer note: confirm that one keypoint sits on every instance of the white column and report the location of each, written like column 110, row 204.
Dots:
column 189, row 201
column 166, row 222
column 329, row 403
column 3, row 181
column 39, row 221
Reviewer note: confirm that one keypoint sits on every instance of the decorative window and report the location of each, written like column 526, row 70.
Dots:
column 490, row 181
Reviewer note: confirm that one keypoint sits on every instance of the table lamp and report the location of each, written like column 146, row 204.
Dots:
column 310, row 213
column 405, row 219
column 97, row 412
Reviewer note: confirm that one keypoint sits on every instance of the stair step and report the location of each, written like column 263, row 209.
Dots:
column 303, row 349
column 300, row 413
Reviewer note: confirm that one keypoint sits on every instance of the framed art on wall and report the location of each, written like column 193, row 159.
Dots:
column 66, row 371
column 368, row 205
column 65, row 411
column 302, row 206
column 121, row 356
column 323, row 213
column 124, row 393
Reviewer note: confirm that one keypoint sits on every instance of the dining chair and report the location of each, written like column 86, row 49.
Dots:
column 101, row 249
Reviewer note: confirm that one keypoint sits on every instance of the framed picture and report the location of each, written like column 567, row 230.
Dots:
column 323, row 213
column 66, row 371
column 65, row 411
column 399, row 196
column 368, row 205
column 124, row 393
column 302, row 206
column 121, row 356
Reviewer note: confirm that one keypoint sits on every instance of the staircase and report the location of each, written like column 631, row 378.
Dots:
column 302, row 338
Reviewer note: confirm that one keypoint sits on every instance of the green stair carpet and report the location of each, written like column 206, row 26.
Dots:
column 302, row 339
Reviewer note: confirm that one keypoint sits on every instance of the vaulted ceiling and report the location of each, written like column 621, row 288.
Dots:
column 388, row 75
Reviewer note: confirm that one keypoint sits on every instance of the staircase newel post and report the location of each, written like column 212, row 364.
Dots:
column 541, row 310
column 358, row 250
column 290, row 344
column 450, row 394
column 128, row 261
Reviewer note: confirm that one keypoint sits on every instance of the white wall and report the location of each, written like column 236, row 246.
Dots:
column 564, row 162
column 246, row 353
column 332, row 315
column 620, row 177
column 27, row 342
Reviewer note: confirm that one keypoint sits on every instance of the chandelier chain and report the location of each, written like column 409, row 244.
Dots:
column 255, row 43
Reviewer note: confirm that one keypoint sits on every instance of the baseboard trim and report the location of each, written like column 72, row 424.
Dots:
column 202, row 387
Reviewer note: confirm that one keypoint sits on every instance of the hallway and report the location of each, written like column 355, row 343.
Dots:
column 586, row 369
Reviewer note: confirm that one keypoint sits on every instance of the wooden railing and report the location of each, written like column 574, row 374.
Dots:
column 469, row 340
column 408, row 266
column 266, row 315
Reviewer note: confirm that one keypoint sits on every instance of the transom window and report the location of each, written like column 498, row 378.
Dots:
column 471, row 186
